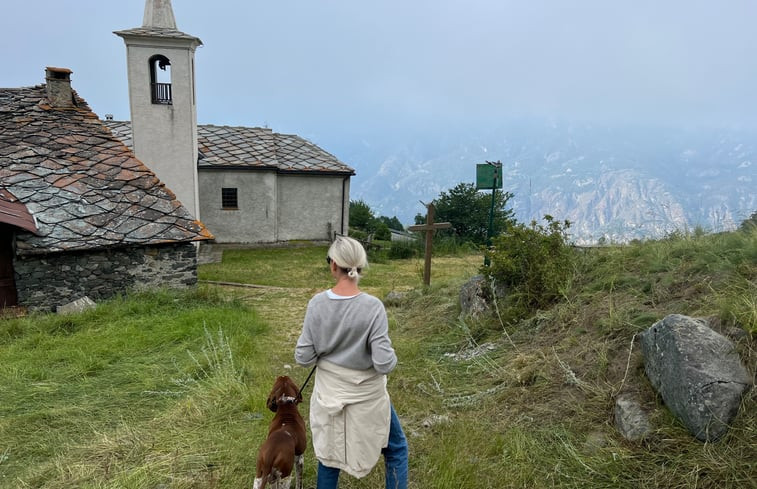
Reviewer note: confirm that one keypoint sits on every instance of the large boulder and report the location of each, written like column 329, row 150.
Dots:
column 697, row 372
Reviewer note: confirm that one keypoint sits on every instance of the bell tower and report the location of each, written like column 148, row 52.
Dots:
column 160, row 64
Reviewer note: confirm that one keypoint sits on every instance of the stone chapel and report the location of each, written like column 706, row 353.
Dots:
column 246, row 184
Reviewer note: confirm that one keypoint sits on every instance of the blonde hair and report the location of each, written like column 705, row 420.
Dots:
column 349, row 255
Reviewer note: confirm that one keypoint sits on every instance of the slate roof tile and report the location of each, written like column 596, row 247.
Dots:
column 252, row 147
column 82, row 184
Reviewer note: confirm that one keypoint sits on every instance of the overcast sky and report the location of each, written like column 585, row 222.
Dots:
column 323, row 66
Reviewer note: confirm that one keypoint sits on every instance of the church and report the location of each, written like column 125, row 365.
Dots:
column 246, row 184
column 93, row 208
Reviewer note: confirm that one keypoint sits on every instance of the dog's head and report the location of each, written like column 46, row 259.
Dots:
column 284, row 390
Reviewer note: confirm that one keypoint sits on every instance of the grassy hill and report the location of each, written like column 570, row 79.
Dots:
column 167, row 389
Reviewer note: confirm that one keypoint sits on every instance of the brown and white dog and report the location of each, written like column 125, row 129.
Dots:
column 286, row 440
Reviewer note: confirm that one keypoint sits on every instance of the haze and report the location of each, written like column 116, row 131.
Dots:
column 335, row 68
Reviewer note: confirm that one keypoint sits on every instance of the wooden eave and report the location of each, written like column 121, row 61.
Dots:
column 15, row 213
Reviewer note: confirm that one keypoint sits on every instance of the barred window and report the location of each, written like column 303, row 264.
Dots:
column 229, row 198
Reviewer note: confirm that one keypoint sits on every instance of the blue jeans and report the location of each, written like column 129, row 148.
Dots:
column 395, row 460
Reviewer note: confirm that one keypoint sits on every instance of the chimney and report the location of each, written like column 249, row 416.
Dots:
column 59, row 87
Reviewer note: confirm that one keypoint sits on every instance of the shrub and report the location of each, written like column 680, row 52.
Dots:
column 750, row 224
column 533, row 262
column 382, row 232
column 358, row 234
column 400, row 250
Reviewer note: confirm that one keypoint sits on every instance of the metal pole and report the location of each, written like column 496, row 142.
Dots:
column 491, row 217
column 491, row 225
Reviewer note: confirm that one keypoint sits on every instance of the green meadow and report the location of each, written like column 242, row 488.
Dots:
column 166, row 389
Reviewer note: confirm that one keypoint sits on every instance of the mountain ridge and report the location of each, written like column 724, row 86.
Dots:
column 614, row 183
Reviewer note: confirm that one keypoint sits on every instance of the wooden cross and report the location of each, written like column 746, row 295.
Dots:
column 429, row 229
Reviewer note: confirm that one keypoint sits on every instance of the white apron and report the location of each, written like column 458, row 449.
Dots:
column 349, row 417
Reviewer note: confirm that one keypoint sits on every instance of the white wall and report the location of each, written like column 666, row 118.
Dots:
column 307, row 204
column 274, row 207
column 255, row 219
column 164, row 136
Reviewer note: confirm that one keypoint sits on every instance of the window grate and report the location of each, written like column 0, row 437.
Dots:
column 229, row 198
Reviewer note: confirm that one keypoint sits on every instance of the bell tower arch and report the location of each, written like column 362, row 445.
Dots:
column 160, row 68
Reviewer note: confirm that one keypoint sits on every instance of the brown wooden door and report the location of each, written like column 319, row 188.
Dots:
column 7, row 284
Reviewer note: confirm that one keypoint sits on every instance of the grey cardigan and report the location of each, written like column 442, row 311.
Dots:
column 351, row 332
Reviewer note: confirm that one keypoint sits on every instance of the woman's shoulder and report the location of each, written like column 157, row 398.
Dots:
column 320, row 296
column 369, row 299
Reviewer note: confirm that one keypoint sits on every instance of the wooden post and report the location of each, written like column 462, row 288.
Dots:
column 429, row 229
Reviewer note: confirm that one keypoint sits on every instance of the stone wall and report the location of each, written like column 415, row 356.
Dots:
column 44, row 282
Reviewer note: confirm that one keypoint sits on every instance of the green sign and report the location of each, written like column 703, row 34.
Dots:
column 488, row 176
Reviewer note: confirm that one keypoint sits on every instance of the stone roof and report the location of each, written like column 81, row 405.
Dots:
column 252, row 148
column 158, row 32
column 83, row 186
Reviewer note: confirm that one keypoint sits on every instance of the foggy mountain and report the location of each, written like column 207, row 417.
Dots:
column 616, row 183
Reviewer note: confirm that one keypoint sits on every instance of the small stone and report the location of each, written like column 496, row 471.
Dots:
column 434, row 420
column 630, row 419
column 79, row 305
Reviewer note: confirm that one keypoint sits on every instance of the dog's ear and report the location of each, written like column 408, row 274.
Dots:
column 271, row 403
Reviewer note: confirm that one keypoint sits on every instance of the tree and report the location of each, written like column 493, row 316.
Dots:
column 749, row 224
column 468, row 211
column 392, row 223
column 361, row 214
column 382, row 232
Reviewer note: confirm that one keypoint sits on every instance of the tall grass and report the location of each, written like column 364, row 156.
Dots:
column 89, row 397
column 167, row 390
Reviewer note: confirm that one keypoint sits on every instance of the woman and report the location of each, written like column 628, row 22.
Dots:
column 345, row 332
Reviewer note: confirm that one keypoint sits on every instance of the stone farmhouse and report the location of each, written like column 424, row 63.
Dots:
column 246, row 184
column 79, row 214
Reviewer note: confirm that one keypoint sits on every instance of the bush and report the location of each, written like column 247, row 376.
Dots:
column 750, row 224
column 533, row 262
column 400, row 250
column 382, row 232
column 358, row 234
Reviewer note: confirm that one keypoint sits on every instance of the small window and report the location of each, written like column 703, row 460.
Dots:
column 229, row 198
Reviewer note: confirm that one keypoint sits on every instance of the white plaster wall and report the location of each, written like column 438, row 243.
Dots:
column 307, row 204
column 165, row 136
column 255, row 219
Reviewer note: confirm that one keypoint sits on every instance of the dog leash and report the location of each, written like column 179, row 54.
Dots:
column 312, row 371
